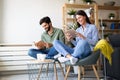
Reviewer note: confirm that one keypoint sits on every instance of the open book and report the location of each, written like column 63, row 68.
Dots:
column 72, row 32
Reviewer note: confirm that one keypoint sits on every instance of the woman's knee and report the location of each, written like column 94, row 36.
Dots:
column 55, row 42
column 82, row 42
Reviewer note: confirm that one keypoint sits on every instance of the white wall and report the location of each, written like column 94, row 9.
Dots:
column 19, row 22
column 1, row 17
column 21, row 19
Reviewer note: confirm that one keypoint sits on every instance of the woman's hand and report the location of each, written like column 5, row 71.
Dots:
column 68, row 36
column 80, row 35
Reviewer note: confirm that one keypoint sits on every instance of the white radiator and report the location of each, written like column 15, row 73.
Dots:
column 14, row 58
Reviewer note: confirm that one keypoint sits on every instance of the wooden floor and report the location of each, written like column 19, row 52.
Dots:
column 88, row 76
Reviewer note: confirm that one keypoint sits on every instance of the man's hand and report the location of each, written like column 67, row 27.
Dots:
column 40, row 44
column 48, row 45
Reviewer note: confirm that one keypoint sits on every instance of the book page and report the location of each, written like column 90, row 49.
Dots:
column 72, row 32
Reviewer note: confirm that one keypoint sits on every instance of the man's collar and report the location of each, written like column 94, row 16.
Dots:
column 52, row 32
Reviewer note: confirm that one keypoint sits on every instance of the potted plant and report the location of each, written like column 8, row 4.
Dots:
column 88, row 1
column 111, row 16
column 73, row 26
column 71, row 12
column 71, row 1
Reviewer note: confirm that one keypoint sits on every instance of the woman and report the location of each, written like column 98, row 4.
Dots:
column 85, row 40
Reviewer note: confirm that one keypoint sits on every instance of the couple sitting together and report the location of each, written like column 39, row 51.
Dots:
column 53, row 40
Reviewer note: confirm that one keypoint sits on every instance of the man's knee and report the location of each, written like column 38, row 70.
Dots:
column 31, row 52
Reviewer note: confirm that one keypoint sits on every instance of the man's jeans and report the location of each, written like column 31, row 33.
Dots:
column 51, row 52
column 81, row 50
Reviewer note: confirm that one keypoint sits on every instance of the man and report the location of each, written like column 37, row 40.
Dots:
column 45, row 45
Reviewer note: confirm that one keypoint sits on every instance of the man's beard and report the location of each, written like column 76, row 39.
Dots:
column 48, row 29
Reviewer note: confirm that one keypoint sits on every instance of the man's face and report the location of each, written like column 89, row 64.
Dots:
column 46, row 26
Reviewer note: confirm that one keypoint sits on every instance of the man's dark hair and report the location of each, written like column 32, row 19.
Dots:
column 45, row 19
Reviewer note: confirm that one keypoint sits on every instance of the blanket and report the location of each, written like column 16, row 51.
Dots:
column 105, row 48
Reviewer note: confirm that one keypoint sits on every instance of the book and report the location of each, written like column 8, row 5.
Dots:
column 72, row 32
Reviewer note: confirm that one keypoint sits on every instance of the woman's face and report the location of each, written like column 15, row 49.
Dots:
column 81, row 19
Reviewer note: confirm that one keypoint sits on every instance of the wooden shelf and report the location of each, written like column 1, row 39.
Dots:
column 77, row 6
column 71, row 19
column 115, row 9
column 94, row 17
column 108, row 7
column 110, row 20
column 111, row 30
